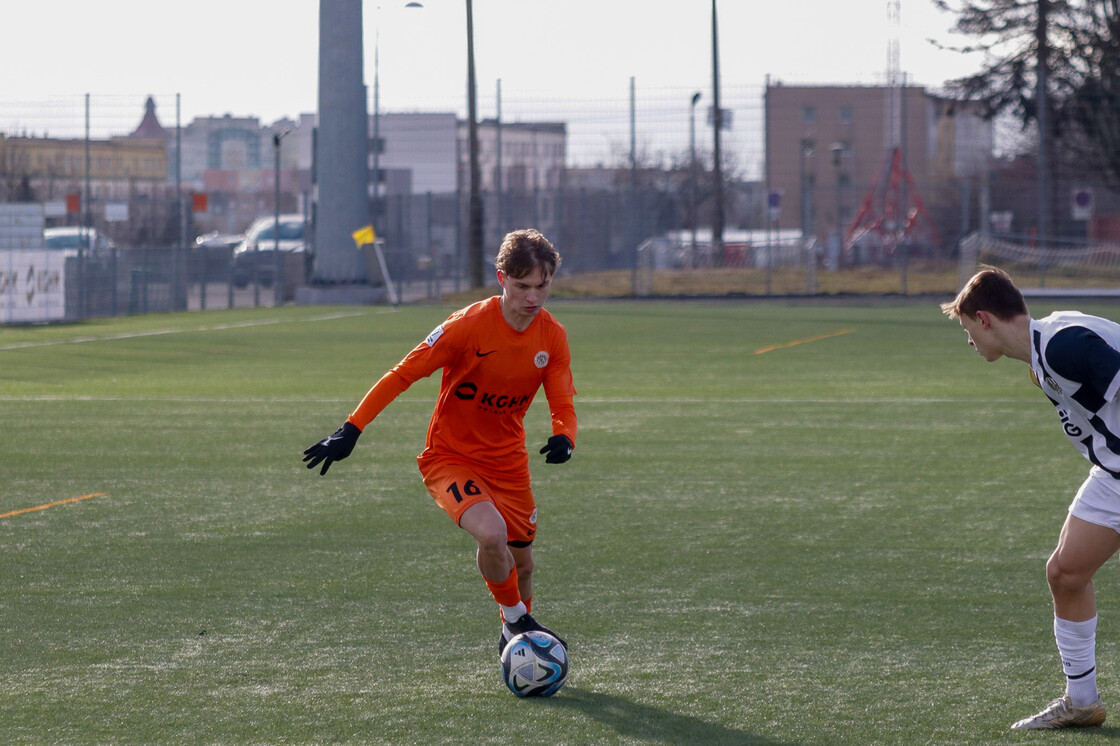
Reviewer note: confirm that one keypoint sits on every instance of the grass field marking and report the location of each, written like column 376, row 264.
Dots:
column 425, row 400
column 210, row 328
column 51, row 505
column 796, row 342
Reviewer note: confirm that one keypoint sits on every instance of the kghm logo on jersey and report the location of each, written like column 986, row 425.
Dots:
column 496, row 403
column 541, row 359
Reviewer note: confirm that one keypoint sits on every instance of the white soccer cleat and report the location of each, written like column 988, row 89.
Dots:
column 1062, row 714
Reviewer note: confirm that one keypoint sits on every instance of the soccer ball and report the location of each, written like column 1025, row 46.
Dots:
column 534, row 664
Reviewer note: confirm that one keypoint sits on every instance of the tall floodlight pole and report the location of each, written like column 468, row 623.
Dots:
column 717, row 166
column 474, row 209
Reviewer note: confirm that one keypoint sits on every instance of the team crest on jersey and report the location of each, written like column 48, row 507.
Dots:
column 1054, row 385
column 541, row 359
column 432, row 338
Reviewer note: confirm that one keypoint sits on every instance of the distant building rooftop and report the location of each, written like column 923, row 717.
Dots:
column 149, row 127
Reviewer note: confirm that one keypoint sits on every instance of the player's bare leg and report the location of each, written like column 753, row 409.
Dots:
column 499, row 564
column 484, row 522
column 1083, row 548
column 523, row 558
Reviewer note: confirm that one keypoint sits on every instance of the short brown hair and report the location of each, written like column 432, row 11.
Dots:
column 523, row 251
column 991, row 290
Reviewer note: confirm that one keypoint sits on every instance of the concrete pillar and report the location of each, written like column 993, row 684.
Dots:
column 342, row 146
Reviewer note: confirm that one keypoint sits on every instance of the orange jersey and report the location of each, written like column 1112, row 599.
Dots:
column 491, row 373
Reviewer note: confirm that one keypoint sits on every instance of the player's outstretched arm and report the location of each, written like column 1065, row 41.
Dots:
column 334, row 447
column 557, row 450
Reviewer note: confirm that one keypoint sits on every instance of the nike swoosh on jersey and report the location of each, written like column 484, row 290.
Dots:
column 480, row 353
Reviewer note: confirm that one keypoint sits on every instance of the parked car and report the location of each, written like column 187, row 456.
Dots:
column 213, row 256
column 216, row 240
column 254, row 259
column 75, row 237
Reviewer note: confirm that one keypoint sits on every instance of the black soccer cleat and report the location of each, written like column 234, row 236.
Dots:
column 526, row 623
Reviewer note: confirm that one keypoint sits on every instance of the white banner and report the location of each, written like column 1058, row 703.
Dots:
column 116, row 212
column 32, row 286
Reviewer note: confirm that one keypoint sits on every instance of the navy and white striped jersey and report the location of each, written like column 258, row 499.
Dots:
column 1076, row 359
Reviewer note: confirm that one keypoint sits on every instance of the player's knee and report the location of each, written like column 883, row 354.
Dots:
column 1063, row 579
column 491, row 542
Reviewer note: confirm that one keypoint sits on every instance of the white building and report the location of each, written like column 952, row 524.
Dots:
column 422, row 144
column 533, row 154
column 433, row 150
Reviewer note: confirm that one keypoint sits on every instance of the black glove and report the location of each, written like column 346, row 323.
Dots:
column 558, row 448
column 333, row 448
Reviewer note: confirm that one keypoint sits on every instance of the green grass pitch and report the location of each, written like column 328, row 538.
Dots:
column 784, row 523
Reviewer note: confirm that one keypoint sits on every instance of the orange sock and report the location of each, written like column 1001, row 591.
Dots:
column 505, row 592
column 528, row 604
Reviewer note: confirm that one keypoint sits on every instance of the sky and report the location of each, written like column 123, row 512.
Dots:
column 250, row 58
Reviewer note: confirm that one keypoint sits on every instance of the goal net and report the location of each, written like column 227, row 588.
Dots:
column 1075, row 267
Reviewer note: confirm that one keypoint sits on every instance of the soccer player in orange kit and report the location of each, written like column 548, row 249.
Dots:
column 495, row 355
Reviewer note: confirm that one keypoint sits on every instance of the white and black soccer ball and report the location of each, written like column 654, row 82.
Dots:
column 534, row 664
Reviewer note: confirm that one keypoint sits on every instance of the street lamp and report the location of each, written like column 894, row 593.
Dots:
column 474, row 209
column 474, row 218
column 377, row 111
column 808, row 146
column 838, row 150
column 278, row 285
column 692, row 171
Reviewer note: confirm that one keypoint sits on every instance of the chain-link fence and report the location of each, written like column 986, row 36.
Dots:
column 171, row 196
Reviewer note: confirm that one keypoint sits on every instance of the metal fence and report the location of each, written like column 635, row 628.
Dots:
column 644, row 192
column 643, row 233
column 420, row 237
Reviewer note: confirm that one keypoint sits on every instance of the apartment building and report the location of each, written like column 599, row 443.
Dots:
column 830, row 148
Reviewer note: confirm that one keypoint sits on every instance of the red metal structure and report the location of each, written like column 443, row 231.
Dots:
column 893, row 209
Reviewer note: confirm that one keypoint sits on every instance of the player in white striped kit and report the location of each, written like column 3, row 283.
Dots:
column 1075, row 359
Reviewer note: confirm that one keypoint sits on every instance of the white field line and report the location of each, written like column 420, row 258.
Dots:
column 211, row 328
column 428, row 400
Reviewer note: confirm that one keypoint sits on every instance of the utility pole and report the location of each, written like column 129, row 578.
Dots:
column 717, row 166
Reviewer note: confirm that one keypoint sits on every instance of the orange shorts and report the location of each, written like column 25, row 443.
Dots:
column 456, row 487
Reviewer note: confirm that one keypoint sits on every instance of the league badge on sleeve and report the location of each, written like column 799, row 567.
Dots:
column 432, row 338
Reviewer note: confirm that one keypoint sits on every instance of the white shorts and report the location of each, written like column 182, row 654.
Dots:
column 1098, row 500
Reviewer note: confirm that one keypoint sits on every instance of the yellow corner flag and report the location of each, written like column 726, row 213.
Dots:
column 362, row 236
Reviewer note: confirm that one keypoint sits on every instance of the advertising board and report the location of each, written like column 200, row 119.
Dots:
column 32, row 286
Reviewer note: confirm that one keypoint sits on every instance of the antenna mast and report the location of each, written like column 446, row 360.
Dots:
column 894, row 77
column 893, row 207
